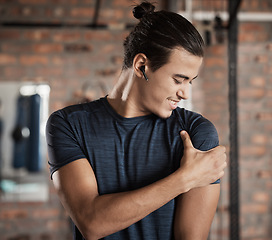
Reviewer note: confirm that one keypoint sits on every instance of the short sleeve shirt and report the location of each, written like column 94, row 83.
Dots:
column 126, row 153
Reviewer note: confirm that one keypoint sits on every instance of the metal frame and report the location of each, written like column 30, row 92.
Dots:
column 234, row 208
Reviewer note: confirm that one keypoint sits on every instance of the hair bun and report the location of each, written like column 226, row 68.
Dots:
column 143, row 9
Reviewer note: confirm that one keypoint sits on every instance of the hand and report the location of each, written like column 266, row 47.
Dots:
column 201, row 168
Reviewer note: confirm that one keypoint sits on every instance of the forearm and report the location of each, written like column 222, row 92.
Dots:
column 113, row 212
column 98, row 216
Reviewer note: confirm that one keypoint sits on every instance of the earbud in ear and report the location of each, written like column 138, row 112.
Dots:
column 142, row 68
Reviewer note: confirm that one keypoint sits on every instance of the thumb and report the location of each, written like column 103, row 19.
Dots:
column 187, row 143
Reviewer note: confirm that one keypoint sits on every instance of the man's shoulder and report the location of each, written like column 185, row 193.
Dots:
column 79, row 109
column 200, row 129
column 75, row 115
column 187, row 114
column 187, row 118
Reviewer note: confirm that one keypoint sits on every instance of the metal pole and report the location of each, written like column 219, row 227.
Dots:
column 233, row 122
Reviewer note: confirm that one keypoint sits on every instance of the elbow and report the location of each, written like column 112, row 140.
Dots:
column 89, row 233
column 190, row 236
column 90, row 230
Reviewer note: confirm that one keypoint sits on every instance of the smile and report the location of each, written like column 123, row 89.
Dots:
column 173, row 104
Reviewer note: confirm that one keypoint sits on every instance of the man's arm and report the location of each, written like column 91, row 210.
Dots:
column 195, row 211
column 97, row 215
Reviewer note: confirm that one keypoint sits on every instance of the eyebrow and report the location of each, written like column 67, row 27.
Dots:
column 183, row 76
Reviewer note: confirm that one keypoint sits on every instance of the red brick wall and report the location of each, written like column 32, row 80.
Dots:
column 255, row 126
column 254, row 113
column 66, row 59
column 72, row 59
column 210, row 98
column 255, row 84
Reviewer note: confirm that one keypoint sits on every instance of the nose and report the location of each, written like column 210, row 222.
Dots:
column 184, row 91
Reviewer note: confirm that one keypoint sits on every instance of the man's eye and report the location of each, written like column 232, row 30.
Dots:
column 180, row 82
column 177, row 81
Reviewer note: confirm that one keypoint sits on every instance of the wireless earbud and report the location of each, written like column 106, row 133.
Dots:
column 142, row 68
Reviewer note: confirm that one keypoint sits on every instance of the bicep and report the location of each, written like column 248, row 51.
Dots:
column 195, row 211
column 77, row 188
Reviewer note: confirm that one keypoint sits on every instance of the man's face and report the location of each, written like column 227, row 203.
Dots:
column 169, row 84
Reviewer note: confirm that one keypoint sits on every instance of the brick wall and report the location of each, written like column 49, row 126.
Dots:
column 255, row 84
column 81, row 62
column 67, row 60
column 254, row 113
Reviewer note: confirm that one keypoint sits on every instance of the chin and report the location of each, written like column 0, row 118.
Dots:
column 165, row 115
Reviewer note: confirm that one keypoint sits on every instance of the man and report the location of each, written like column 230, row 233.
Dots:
column 125, row 166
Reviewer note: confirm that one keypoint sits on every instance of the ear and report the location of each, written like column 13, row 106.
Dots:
column 139, row 61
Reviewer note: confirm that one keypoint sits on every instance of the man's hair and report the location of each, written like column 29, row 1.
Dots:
column 157, row 34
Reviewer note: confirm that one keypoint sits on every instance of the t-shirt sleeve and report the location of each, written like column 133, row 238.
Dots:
column 62, row 143
column 203, row 134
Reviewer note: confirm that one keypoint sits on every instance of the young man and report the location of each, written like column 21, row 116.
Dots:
column 132, row 165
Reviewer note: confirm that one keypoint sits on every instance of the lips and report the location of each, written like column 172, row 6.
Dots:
column 173, row 104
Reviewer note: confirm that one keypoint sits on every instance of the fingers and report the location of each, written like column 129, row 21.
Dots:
column 221, row 163
column 221, row 149
column 213, row 160
column 218, row 150
column 186, row 139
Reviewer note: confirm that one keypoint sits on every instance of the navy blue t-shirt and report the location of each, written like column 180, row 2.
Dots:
column 126, row 153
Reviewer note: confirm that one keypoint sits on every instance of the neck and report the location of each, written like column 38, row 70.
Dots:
column 122, row 98
column 123, row 86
